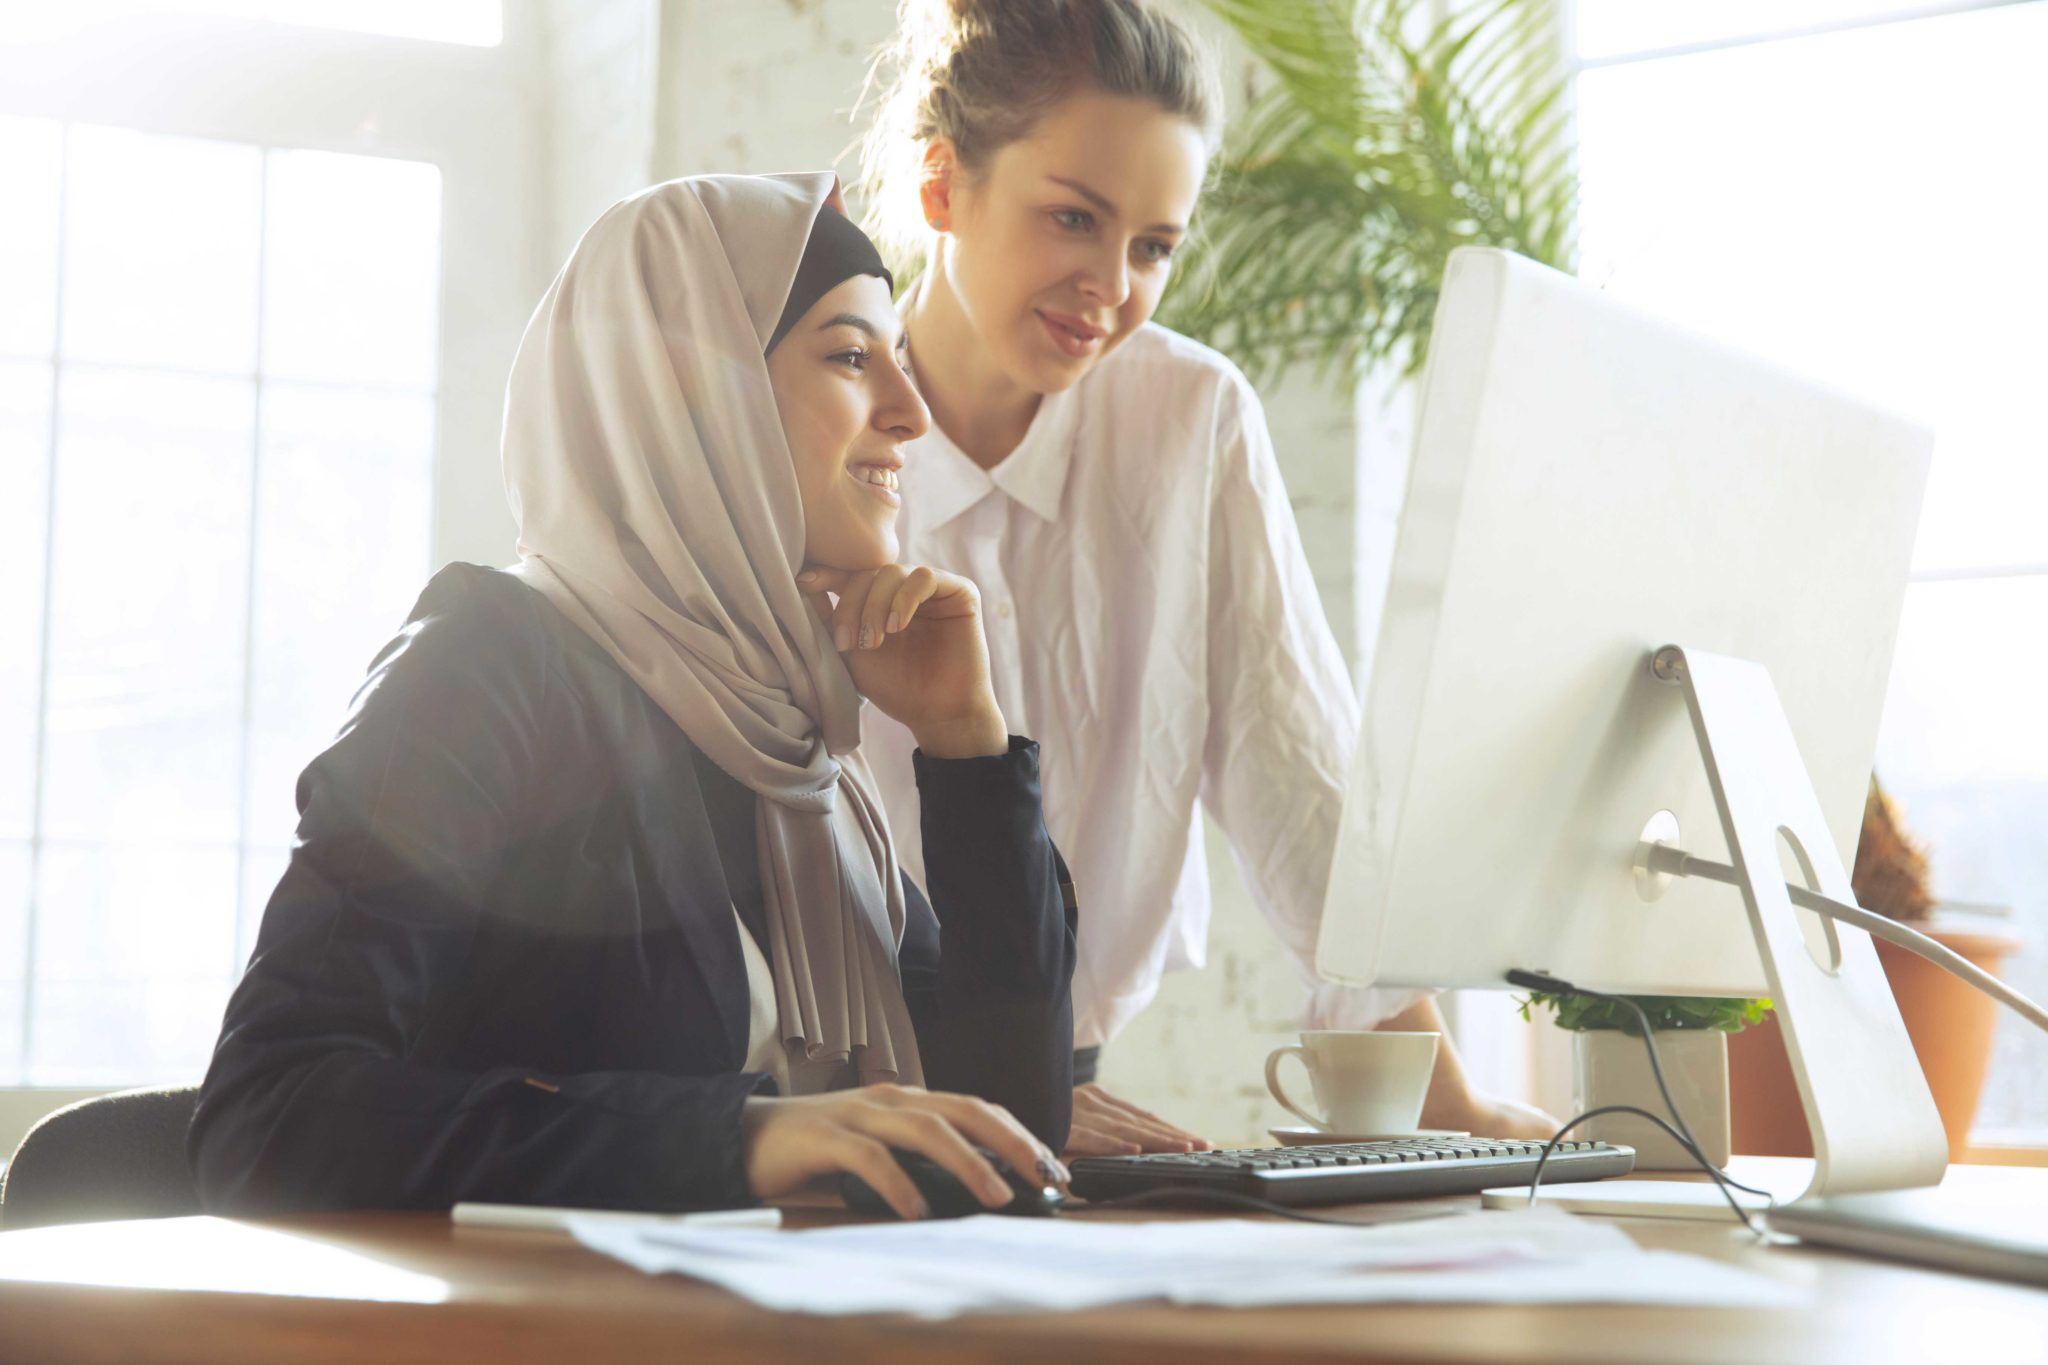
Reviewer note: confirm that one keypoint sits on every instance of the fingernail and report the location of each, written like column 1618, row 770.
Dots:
column 995, row 1190
column 866, row 634
column 840, row 640
column 920, row 1209
column 893, row 624
column 807, row 576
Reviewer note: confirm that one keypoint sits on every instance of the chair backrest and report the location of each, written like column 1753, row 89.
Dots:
column 117, row 1156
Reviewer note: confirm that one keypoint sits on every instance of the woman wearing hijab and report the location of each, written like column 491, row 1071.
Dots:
column 592, row 901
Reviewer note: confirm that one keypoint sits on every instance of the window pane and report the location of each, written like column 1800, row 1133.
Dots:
column 351, row 269
column 1608, row 27
column 342, row 553
column 1887, row 245
column 1965, row 751
column 14, row 862
column 160, row 251
column 31, row 157
column 24, row 461
column 476, row 23
column 147, row 606
column 134, row 950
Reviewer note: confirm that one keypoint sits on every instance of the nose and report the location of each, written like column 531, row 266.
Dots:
column 1107, row 281
column 899, row 408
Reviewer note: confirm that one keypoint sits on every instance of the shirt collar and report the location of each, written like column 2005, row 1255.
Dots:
column 946, row 482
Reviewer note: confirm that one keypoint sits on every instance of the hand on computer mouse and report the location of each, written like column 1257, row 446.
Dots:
column 789, row 1141
column 946, row 1197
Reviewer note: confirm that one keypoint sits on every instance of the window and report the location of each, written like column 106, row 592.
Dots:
column 219, row 468
column 247, row 403
column 1858, row 198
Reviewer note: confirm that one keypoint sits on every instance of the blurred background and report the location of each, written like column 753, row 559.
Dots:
column 264, row 263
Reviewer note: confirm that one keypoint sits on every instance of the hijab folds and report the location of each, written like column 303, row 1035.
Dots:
column 658, row 510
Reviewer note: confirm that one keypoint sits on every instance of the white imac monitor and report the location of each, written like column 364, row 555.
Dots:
column 1590, row 485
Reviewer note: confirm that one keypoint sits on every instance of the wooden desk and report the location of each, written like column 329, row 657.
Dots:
column 410, row 1287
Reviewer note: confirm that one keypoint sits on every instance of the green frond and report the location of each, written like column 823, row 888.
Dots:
column 1382, row 143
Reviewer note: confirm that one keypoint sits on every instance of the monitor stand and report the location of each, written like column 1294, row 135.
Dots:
column 1873, row 1119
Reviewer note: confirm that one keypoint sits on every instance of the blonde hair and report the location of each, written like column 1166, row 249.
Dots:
column 980, row 73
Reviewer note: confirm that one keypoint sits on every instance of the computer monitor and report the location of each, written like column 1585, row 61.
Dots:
column 1589, row 485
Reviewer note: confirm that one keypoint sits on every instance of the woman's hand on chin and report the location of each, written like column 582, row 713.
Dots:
column 912, row 638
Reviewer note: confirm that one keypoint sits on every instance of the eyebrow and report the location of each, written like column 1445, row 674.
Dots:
column 859, row 324
column 1103, row 205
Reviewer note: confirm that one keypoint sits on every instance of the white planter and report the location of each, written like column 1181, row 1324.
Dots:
column 1612, row 1067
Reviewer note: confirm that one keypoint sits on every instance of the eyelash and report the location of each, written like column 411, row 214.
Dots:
column 1082, row 221
column 856, row 359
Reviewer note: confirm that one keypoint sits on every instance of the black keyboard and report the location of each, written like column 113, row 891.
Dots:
column 1350, row 1172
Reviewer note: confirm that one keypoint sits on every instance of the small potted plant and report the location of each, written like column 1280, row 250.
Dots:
column 1611, row 1066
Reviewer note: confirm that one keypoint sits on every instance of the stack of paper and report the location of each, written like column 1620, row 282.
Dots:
column 993, row 1264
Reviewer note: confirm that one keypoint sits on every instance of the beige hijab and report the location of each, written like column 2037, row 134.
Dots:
column 658, row 509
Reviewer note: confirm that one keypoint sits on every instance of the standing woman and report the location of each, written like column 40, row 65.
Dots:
column 1110, row 487
column 591, row 902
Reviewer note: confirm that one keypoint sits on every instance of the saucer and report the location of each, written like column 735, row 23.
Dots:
column 1310, row 1137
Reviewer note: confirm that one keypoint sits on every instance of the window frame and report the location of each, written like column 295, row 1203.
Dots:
column 473, row 112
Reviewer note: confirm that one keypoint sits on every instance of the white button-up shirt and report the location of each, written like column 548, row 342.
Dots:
column 1152, row 623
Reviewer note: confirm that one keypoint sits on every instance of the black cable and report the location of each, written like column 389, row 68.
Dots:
column 1721, row 1181
column 1247, row 1201
column 1681, row 1134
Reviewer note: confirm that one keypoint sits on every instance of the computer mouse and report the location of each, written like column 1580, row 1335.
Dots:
column 945, row 1196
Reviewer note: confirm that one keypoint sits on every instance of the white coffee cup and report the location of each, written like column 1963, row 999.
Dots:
column 1367, row 1083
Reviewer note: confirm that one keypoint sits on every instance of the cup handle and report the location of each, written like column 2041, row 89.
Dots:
column 1273, row 1083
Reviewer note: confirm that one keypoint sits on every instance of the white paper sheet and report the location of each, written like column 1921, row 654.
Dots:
column 994, row 1264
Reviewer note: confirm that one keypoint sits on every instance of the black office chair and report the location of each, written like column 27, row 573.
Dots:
column 118, row 1156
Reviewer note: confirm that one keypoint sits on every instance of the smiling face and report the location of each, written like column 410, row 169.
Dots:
column 1060, row 246
column 843, row 388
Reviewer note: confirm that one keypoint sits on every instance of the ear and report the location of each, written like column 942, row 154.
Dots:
column 935, row 183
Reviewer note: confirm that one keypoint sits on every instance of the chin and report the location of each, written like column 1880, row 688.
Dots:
column 860, row 558
column 1045, row 371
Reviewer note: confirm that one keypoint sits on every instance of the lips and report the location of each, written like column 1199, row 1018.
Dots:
column 1073, row 336
column 880, row 480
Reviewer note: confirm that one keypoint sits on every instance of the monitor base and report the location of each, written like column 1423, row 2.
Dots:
column 1692, row 1200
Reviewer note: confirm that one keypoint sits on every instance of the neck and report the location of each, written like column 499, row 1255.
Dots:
column 981, row 409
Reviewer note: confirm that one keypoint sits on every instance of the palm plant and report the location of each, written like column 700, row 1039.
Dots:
column 1373, row 154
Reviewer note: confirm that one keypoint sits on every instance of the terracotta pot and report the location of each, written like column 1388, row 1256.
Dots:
column 1949, row 1022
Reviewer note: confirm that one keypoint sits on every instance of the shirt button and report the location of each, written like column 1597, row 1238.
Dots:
column 1003, row 610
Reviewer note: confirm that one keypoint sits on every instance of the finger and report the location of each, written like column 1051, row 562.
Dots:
column 817, row 578
column 1086, row 1140
column 1147, row 1137
column 845, row 622
column 916, row 589
column 929, row 1133
column 874, row 1163
column 997, row 1129
column 1105, row 1110
column 874, row 614
column 817, row 586
column 1109, row 1106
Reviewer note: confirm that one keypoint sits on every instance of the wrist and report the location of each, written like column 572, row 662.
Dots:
column 981, row 735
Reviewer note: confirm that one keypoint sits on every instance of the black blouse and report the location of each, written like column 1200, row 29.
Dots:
column 503, row 963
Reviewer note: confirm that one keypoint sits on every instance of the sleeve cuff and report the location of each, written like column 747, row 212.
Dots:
column 1019, row 762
